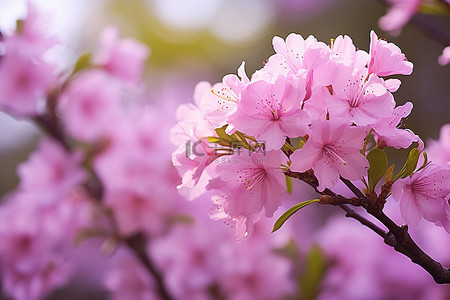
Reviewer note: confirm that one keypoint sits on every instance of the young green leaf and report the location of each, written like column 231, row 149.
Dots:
column 378, row 166
column 389, row 173
column 289, row 184
column 83, row 62
column 290, row 212
column 410, row 164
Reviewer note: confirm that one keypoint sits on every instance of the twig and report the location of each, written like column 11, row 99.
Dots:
column 397, row 237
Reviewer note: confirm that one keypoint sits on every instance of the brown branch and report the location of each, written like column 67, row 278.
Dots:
column 137, row 243
column 397, row 237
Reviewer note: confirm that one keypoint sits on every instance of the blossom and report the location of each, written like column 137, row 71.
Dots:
column 388, row 132
column 124, row 58
column 360, row 98
column 24, row 80
column 332, row 150
column 271, row 112
column 399, row 13
column 439, row 151
column 90, row 105
column 444, row 58
column 249, row 183
column 424, row 194
column 51, row 171
column 387, row 58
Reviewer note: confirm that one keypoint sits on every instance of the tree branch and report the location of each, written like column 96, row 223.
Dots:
column 397, row 237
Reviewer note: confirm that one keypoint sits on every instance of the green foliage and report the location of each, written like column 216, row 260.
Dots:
column 389, row 173
column 315, row 267
column 83, row 62
column 289, row 184
column 290, row 212
column 378, row 166
column 434, row 7
column 410, row 164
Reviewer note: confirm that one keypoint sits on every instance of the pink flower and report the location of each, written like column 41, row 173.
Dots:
column 272, row 111
column 387, row 58
column 90, row 106
column 358, row 98
column 388, row 132
column 249, row 183
column 127, row 279
column 424, row 194
column 332, row 150
column 399, row 13
column 444, row 58
column 123, row 58
column 51, row 171
column 439, row 151
column 24, row 79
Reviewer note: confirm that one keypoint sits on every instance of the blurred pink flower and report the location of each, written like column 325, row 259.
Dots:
column 124, row 58
column 439, row 151
column 444, row 58
column 399, row 13
column 90, row 105
column 51, row 171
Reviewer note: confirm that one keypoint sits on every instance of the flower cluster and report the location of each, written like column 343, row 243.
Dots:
column 314, row 107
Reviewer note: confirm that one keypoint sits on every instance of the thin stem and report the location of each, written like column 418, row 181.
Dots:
column 397, row 237
column 137, row 243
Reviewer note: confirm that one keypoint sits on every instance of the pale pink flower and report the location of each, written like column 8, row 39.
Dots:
column 124, row 58
column 439, row 151
column 51, row 171
column 359, row 98
column 344, row 51
column 24, row 79
column 249, row 183
column 399, row 13
column 128, row 279
column 424, row 194
column 444, row 58
column 272, row 111
column 387, row 58
column 389, row 133
column 90, row 106
column 332, row 150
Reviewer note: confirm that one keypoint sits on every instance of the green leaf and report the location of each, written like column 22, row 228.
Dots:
column 435, row 7
column 83, row 62
column 290, row 212
column 213, row 139
column 289, row 184
column 389, row 173
column 19, row 26
column 425, row 161
column 313, row 274
column 378, row 166
column 410, row 164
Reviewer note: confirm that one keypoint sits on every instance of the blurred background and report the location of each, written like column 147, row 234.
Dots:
column 194, row 40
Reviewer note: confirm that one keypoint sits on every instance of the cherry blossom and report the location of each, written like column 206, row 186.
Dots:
column 332, row 150
column 439, row 151
column 424, row 194
column 271, row 112
column 387, row 58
